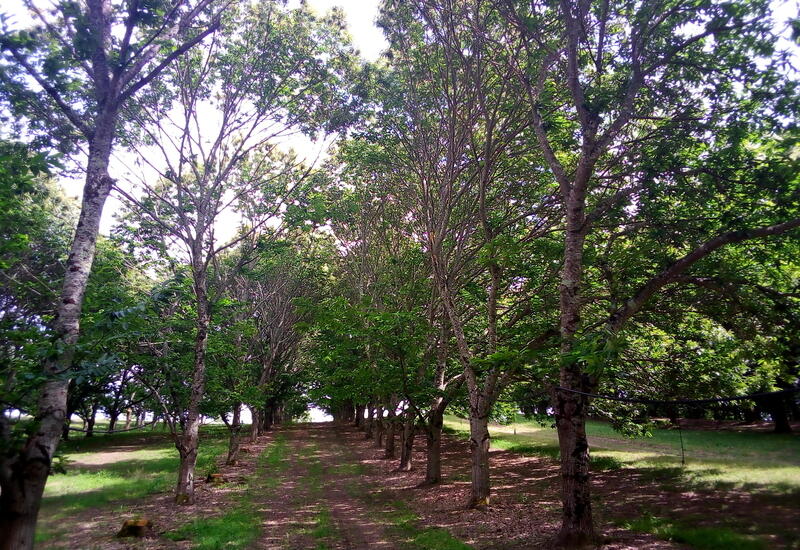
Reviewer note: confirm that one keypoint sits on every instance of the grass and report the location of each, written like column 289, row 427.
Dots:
column 234, row 530
column 700, row 538
column 240, row 526
column 405, row 524
column 150, row 466
column 721, row 459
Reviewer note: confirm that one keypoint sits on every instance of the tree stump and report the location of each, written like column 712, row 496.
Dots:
column 136, row 528
column 216, row 479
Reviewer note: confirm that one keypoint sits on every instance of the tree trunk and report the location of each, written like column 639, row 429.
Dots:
column 479, row 448
column 235, row 428
column 127, row 419
column 253, row 425
column 391, row 430
column 407, row 449
column 369, row 422
column 23, row 474
column 433, row 468
column 112, row 421
column 187, row 450
column 380, row 425
column 90, row 420
column 18, row 513
column 190, row 440
column 779, row 414
column 577, row 528
column 267, row 416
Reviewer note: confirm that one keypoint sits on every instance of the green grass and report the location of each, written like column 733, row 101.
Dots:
column 233, row 530
column 150, row 466
column 700, row 538
column 240, row 526
column 323, row 525
column 405, row 524
column 721, row 459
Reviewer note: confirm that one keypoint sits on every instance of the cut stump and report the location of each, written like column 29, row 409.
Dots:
column 136, row 528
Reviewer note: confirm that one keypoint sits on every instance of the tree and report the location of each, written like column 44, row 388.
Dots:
column 644, row 88
column 88, row 61
column 263, row 79
column 461, row 131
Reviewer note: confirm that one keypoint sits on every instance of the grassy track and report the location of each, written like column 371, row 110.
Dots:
column 722, row 459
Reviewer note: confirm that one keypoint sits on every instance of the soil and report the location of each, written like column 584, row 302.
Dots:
column 332, row 473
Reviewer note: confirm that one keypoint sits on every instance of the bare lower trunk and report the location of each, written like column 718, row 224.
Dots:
column 380, row 425
column 233, row 443
column 577, row 528
column 433, row 468
column 369, row 422
column 780, row 416
column 189, row 440
column 18, row 510
column 90, row 420
column 112, row 422
column 254, row 425
column 479, row 448
column 407, row 449
column 127, row 419
column 391, row 431
column 187, row 450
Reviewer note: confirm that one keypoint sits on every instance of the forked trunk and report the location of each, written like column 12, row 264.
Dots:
column 407, row 449
column 433, row 468
column 479, row 448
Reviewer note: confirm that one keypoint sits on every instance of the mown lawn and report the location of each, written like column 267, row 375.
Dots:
column 723, row 459
column 108, row 470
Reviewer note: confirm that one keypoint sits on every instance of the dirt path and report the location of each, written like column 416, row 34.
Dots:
column 320, row 497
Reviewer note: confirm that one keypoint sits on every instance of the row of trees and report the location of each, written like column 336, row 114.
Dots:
column 562, row 198
column 528, row 200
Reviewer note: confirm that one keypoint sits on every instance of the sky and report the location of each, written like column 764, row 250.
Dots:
column 366, row 36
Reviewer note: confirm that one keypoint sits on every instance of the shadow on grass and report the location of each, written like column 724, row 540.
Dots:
column 700, row 538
